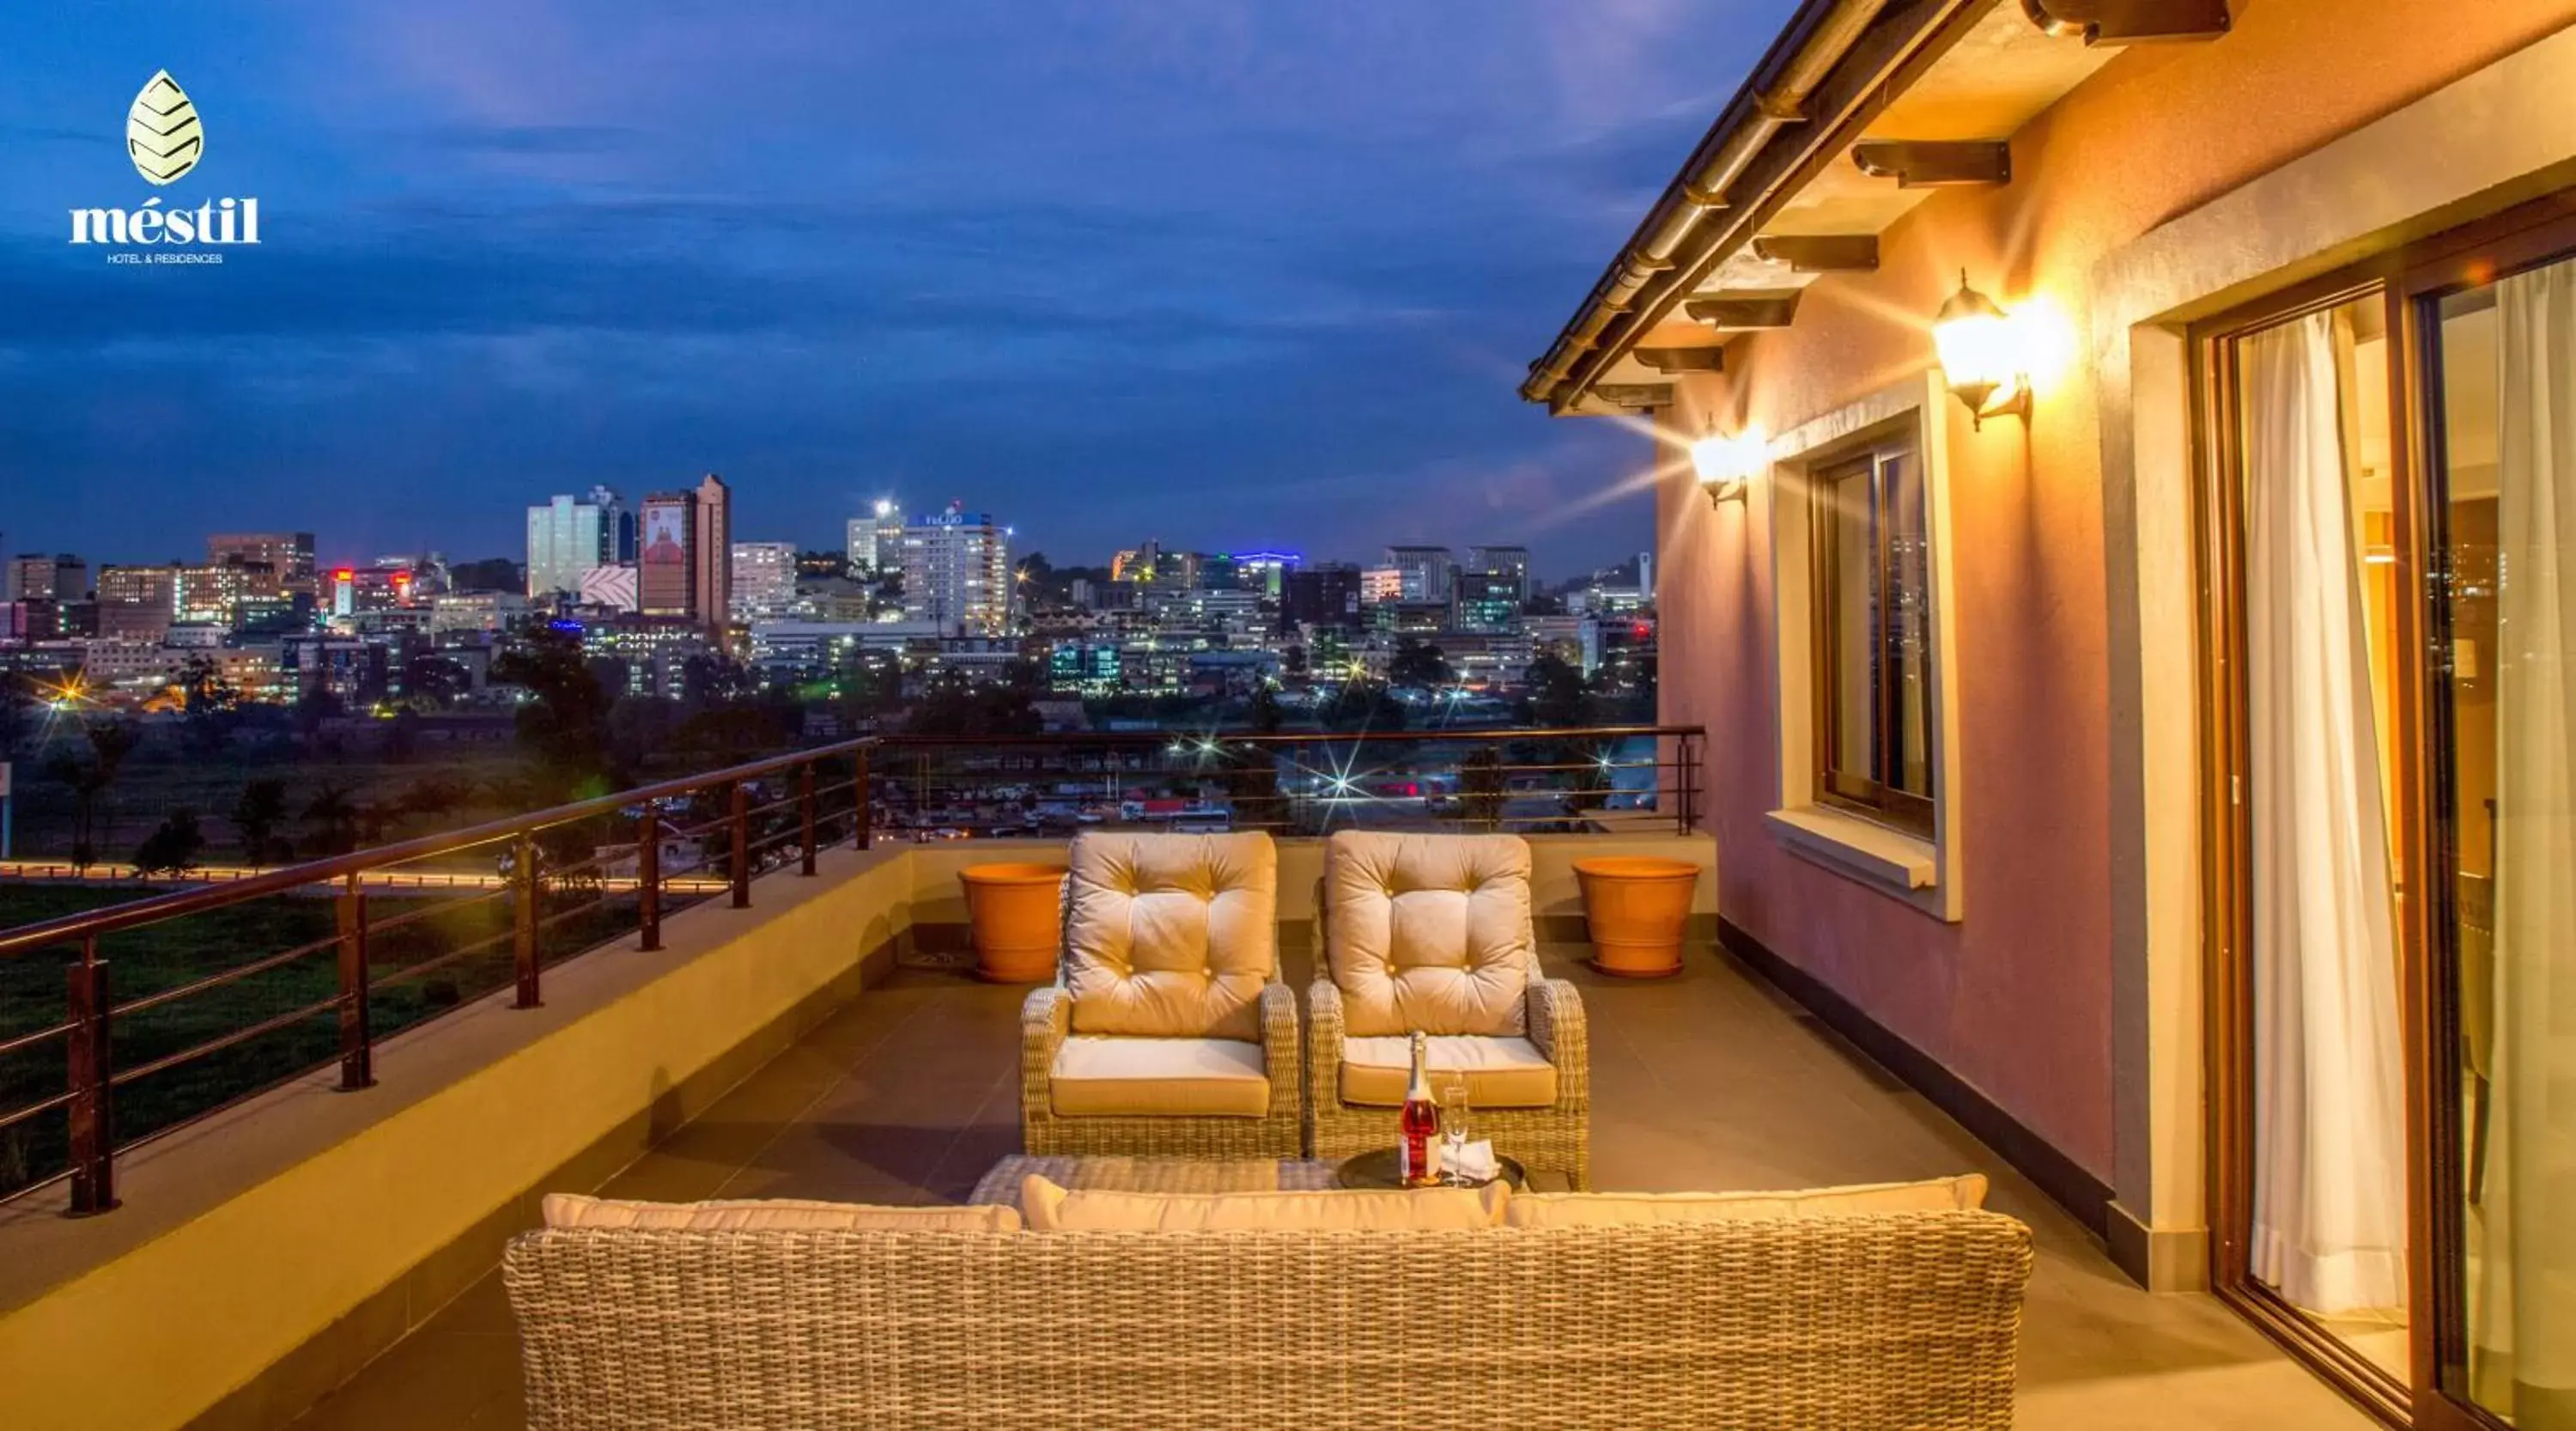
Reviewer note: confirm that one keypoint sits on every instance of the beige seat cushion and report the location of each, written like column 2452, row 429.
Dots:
column 773, row 1215
column 1959, row 1194
column 1098, row 1077
column 1171, row 936
column 1049, row 1208
column 1501, row 1072
column 1429, row 932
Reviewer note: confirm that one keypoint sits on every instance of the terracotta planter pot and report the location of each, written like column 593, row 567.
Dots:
column 1016, row 920
column 1638, row 908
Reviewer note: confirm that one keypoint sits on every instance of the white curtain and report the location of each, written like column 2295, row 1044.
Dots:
column 2329, row 1179
column 2523, row 1322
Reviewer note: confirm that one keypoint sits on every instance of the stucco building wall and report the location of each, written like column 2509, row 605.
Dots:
column 2017, row 997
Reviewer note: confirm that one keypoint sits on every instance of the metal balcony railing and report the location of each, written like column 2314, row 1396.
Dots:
column 395, row 936
column 1589, row 780
column 225, row 990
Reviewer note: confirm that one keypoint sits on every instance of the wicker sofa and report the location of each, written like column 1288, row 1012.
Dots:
column 1855, row 1323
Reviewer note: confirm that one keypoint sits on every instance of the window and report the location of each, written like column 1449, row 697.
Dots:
column 1873, row 647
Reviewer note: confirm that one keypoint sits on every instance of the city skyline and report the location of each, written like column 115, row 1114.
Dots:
column 491, row 270
column 516, row 547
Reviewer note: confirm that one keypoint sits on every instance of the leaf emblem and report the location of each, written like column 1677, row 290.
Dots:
column 162, row 133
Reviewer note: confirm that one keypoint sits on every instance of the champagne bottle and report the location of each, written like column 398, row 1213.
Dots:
column 1421, row 1118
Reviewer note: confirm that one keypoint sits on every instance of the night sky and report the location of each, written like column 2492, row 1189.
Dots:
column 1230, row 275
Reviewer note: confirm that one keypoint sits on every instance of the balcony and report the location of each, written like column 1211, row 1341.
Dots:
column 325, row 1258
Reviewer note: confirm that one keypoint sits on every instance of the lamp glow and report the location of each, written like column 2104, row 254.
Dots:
column 1725, row 465
column 1981, row 355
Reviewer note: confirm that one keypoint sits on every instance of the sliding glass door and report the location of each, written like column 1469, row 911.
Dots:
column 2316, row 1243
column 2502, row 363
column 2387, row 527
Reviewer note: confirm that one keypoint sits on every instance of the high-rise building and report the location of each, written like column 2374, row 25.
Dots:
column 35, row 576
column 889, row 537
column 1326, row 594
column 1486, row 601
column 764, row 579
column 685, row 557
column 216, row 592
column 859, row 548
column 876, row 542
column 1264, row 572
column 1426, row 572
column 570, row 535
column 666, row 556
column 1381, row 585
column 957, row 572
column 1502, row 561
column 714, row 552
column 137, row 603
column 288, row 556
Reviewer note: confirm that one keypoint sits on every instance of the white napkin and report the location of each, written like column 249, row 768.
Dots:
column 1474, row 1162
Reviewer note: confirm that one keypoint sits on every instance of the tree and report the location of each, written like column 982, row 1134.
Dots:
column 434, row 797
column 432, row 682
column 1362, row 705
column 489, row 574
column 257, row 814
column 1418, row 663
column 1265, row 715
column 376, row 820
column 564, row 723
column 210, row 705
column 956, row 705
column 331, row 817
column 1556, row 696
column 90, row 776
column 714, row 680
column 17, row 698
column 173, row 847
column 315, row 704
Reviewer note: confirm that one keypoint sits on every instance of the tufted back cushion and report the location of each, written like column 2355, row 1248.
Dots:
column 1429, row 932
column 1171, row 936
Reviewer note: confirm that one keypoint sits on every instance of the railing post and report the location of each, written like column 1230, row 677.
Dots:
column 866, row 805
column 93, row 1120
column 741, row 846
column 1689, row 755
column 357, row 1039
column 805, row 814
column 648, row 879
column 524, row 874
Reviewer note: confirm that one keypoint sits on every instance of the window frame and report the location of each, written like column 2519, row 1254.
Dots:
column 1921, row 870
column 1869, row 795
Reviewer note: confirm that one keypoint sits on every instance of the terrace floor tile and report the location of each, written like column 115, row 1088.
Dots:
column 1707, row 1080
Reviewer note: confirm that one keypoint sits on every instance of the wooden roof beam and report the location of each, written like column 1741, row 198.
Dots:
column 1681, row 360
column 2128, row 22
column 1820, row 253
column 1746, row 310
column 1933, row 164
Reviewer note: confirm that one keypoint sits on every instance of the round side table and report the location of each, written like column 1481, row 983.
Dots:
column 1376, row 1169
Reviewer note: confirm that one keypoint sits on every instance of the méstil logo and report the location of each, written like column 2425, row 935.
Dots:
column 166, row 140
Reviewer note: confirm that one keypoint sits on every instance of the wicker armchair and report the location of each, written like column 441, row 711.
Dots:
column 1554, row 1135
column 1170, row 1034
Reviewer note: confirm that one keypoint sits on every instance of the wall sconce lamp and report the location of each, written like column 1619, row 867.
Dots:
column 1727, row 465
column 1981, row 355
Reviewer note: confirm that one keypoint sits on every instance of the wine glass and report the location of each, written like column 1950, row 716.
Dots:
column 1451, row 1094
